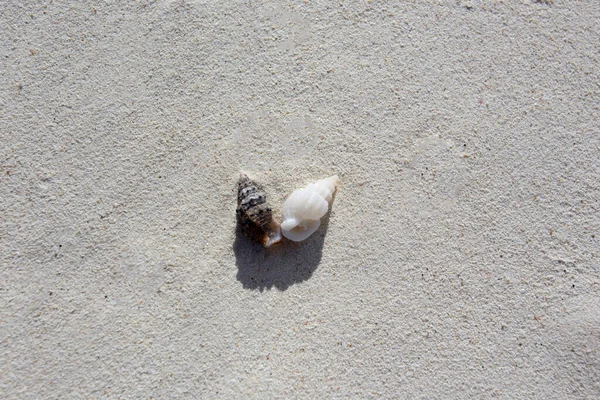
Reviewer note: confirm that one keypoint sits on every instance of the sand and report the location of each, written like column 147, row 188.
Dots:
column 461, row 255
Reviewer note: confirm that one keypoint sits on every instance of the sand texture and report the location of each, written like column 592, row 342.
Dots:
column 461, row 254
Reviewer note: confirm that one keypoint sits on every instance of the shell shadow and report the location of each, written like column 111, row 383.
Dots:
column 281, row 266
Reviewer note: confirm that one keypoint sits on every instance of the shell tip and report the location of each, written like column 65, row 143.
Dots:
column 273, row 236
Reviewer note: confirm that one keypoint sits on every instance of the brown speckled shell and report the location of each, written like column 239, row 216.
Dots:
column 254, row 215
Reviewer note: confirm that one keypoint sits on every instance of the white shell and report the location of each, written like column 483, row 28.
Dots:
column 302, row 211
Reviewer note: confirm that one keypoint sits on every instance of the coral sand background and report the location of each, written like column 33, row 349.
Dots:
column 460, row 258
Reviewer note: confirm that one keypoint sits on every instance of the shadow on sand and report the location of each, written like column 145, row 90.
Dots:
column 280, row 266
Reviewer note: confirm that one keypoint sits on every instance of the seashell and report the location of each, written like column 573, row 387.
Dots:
column 254, row 214
column 302, row 211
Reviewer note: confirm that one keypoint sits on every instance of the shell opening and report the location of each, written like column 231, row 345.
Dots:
column 301, row 231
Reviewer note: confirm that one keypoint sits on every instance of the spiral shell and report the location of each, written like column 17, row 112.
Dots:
column 302, row 211
column 254, row 214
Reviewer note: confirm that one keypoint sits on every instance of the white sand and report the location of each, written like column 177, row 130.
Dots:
column 461, row 256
